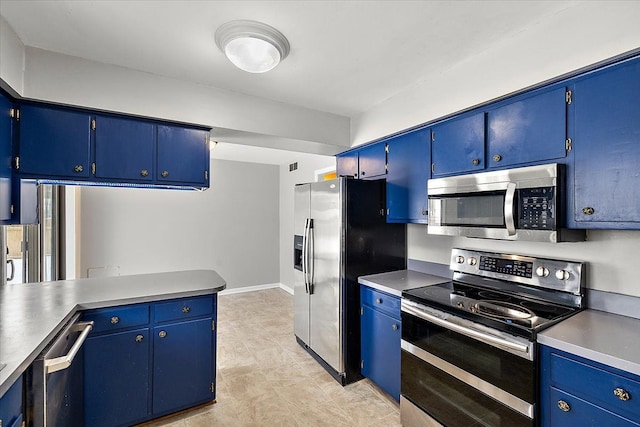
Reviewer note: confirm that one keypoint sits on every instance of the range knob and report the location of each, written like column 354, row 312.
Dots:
column 472, row 261
column 460, row 305
column 542, row 271
column 562, row 274
column 460, row 259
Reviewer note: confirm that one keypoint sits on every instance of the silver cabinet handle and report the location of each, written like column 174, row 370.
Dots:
column 564, row 406
column 508, row 209
column 13, row 270
column 63, row 362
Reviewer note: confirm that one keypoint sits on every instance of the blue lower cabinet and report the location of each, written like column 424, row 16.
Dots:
column 182, row 365
column 144, row 361
column 575, row 391
column 380, row 342
column 11, row 406
column 116, row 378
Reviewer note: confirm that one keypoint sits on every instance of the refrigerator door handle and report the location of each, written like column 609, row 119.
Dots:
column 305, row 267
column 311, row 254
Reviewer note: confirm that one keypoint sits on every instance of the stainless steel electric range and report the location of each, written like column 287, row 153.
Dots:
column 469, row 345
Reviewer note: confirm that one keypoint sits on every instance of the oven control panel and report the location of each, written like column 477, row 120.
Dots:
column 567, row 276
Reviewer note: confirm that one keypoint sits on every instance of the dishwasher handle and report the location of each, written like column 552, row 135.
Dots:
column 63, row 362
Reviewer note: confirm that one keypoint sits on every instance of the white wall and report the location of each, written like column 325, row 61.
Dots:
column 307, row 166
column 11, row 57
column 586, row 33
column 232, row 227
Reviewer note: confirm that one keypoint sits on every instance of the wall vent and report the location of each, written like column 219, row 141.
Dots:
column 293, row 166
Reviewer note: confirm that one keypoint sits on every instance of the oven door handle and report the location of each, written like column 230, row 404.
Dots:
column 509, row 198
column 472, row 333
column 63, row 362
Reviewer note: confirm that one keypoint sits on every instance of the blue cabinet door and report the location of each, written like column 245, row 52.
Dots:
column 183, row 155
column 125, row 149
column 380, row 348
column 607, row 147
column 54, row 142
column 529, row 129
column 116, row 378
column 347, row 164
column 5, row 157
column 372, row 161
column 409, row 168
column 183, row 365
column 11, row 405
column 457, row 145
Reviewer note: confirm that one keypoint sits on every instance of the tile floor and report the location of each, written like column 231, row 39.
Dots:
column 266, row 379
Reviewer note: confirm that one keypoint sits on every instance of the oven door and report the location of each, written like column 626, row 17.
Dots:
column 464, row 374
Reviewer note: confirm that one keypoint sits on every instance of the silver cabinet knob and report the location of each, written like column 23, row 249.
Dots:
column 562, row 274
column 78, row 168
column 622, row 394
column 165, row 174
column 497, row 157
column 144, row 172
column 115, row 320
column 162, row 334
column 394, row 327
column 186, row 309
column 475, row 162
column 139, row 338
column 588, row 210
column 542, row 271
column 564, row 406
column 378, row 301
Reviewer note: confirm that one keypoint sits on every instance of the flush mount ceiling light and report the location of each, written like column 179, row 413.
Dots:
column 252, row 46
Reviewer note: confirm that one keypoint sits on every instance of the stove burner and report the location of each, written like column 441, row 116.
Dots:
column 502, row 310
column 488, row 295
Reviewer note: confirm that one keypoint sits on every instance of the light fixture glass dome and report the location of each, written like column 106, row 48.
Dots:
column 252, row 46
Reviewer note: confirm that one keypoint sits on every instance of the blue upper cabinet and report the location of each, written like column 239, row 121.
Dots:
column 607, row 147
column 54, row 142
column 125, row 149
column 528, row 129
column 5, row 157
column 347, row 164
column 372, row 161
column 183, row 155
column 457, row 145
column 409, row 168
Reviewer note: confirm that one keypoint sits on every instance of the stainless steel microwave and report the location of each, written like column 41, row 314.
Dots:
column 513, row 204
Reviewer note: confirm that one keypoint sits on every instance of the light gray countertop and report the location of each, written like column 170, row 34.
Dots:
column 607, row 338
column 32, row 314
column 397, row 281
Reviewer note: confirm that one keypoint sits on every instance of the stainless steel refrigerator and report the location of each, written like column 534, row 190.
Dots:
column 340, row 233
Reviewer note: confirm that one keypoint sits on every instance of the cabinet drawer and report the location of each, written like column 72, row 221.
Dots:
column 183, row 309
column 610, row 390
column 380, row 301
column 114, row 318
column 577, row 412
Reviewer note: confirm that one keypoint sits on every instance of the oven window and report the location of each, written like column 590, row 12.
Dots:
column 485, row 210
column 450, row 401
column 504, row 370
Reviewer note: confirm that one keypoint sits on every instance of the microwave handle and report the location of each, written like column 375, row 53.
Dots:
column 509, row 208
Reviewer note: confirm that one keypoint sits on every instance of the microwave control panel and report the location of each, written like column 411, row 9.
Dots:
column 537, row 208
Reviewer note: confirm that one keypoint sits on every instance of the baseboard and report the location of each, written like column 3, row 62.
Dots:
column 231, row 291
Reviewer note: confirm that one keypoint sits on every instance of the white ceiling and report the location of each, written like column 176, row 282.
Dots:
column 346, row 56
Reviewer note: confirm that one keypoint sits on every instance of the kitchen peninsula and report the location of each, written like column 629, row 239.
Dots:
column 156, row 308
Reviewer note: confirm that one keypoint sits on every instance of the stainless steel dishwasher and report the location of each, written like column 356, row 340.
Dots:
column 54, row 380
